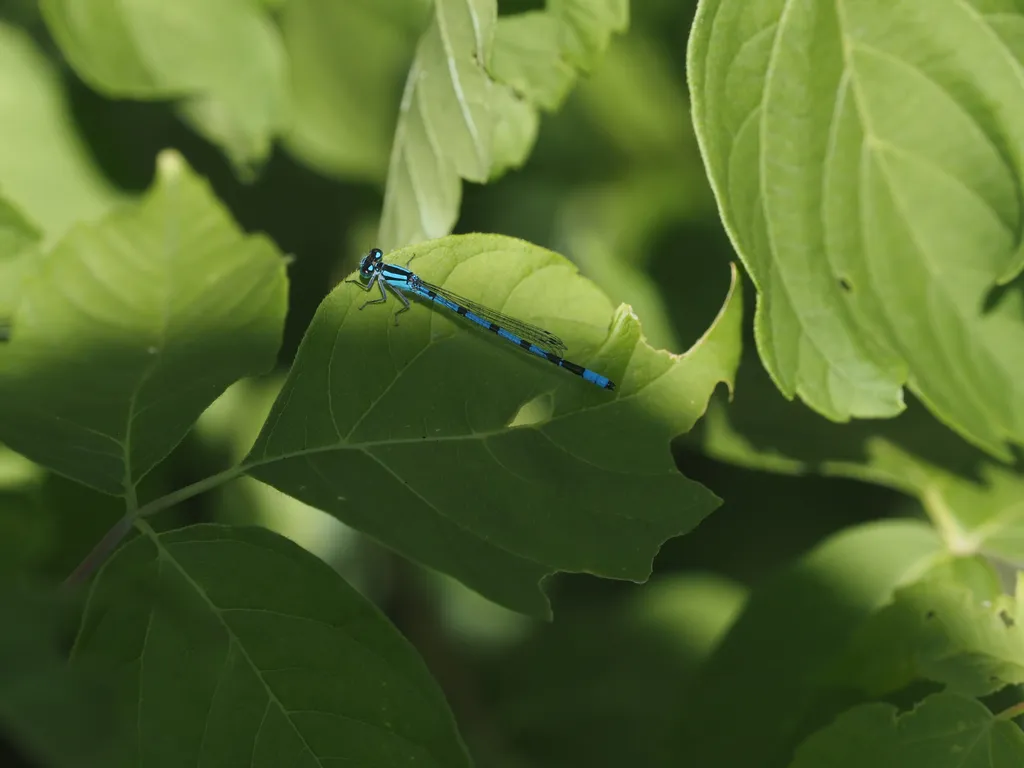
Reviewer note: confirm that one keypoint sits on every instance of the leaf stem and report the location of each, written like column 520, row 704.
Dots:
column 1011, row 712
column 201, row 486
column 104, row 547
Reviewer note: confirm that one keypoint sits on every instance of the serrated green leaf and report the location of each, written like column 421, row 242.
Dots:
column 46, row 171
column 129, row 328
column 406, row 433
column 236, row 647
column 342, row 123
column 223, row 59
column 456, row 123
column 54, row 715
column 874, row 239
column 776, row 657
column 541, row 53
column 944, row 731
column 974, row 502
column 942, row 628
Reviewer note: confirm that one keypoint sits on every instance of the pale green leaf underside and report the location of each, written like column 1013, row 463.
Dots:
column 975, row 502
column 801, row 620
column 867, row 160
column 404, row 432
column 46, row 171
column 233, row 646
column 954, row 627
column 342, row 123
column 943, row 731
column 540, row 53
column 456, row 122
column 17, row 238
column 223, row 59
column 130, row 328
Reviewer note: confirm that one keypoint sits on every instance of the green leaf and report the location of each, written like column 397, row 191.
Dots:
column 776, row 658
column 224, row 60
column 46, row 171
column 973, row 501
column 411, row 434
column 233, row 646
column 129, row 328
column 541, row 53
column 58, row 716
column 341, row 123
column 874, row 239
column 944, row 731
column 962, row 633
column 17, row 238
column 456, row 122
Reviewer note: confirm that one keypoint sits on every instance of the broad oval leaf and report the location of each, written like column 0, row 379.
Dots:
column 411, row 433
column 225, row 60
column 130, row 328
column 944, row 731
column 867, row 159
column 234, row 646
column 801, row 621
column 46, row 170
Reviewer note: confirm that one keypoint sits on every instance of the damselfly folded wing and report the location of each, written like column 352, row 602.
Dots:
column 526, row 331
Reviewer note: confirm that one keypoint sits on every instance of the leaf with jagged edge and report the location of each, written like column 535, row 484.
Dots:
column 129, row 328
column 406, row 433
column 776, row 658
column 541, row 53
column 955, row 626
column 974, row 501
column 943, row 731
column 224, row 60
column 234, row 646
column 875, row 238
column 456, row 122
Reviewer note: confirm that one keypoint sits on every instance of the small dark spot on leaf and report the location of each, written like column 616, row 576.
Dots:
column 846, row 285
column 1007, row 619
column 930, row 615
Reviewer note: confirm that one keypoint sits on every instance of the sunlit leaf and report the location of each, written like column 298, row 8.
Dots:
column 951, row 627
column 223, row 59
column 541, row 53
column 777, row 656
column 874, row 239
column 45, row 168
column 456, row 122
column 234, row 646
column 944, row 731
column 973, row 501
column 405, row 432
column 129, row 328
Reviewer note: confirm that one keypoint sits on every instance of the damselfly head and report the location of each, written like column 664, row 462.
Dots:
column 369, row 263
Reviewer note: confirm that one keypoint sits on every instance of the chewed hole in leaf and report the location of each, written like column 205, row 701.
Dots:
column 536, row 411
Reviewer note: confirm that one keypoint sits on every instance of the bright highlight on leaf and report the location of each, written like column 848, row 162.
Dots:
column 130, row 328
column 943, row 731
column 456, row 122
column 876, row 241
column 223, row 59
column 233, row 646
column 405, row 432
